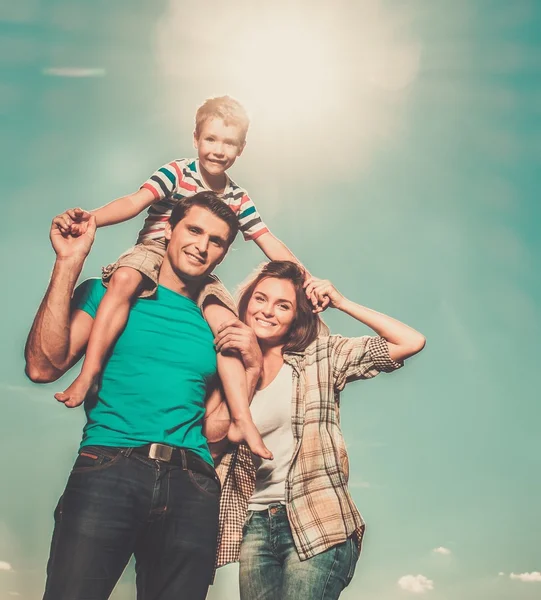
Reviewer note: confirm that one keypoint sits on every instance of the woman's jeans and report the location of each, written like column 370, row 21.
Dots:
column 270, row 568
column 115, row 506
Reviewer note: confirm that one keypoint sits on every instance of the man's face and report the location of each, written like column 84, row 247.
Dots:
column 218, row 146
column 197, row 244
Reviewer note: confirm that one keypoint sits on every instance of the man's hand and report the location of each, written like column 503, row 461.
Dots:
column 235, row 335
column 72, row 233
column 323, row 294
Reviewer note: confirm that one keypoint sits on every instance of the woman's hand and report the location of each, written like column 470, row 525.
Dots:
column 323, row 294
column 235, row 335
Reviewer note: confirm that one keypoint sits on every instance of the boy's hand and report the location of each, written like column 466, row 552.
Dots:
column 74, row 221
column 319, row 301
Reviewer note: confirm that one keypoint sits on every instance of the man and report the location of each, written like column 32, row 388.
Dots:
column 143, row 482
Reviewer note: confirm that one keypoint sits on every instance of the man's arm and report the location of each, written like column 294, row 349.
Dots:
column 58, row 337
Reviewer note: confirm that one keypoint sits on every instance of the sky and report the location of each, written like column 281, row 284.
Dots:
column 395, row 147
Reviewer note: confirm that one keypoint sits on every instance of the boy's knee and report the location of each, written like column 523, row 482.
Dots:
column 125, row 281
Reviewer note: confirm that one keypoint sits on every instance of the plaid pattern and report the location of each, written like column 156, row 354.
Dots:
column 320, row 509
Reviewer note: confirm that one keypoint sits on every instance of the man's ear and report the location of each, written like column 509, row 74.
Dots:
column 241, row 149
column 195, row 139
column 168, row 231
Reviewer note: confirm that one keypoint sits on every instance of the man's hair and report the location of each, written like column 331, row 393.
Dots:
column 213, row 203
column 226, row 108
column 306, row 324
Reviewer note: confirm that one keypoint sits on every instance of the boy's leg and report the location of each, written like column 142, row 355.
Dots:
column 242, row 428
column 111, row 317
column 134, row 274
column 218, row 307
column 96, row 525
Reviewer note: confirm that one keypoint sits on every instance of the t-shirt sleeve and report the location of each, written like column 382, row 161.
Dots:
column 88, row 295
column 250, row 221
column 164, row 181
column 359, row 358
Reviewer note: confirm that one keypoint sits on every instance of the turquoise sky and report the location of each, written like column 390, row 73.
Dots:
column 395, row 147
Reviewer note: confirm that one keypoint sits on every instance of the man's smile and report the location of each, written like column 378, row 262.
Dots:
column 194, row 258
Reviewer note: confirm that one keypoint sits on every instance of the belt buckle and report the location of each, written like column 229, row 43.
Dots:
column 160, row 452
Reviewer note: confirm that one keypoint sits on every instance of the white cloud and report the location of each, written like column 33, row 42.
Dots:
column 534, row 576
column 416, row 584
column 73, row 72
column 442, row 550
column 5, row 566
column 501, row 573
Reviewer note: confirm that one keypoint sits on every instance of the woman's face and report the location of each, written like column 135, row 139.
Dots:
column 272, row 309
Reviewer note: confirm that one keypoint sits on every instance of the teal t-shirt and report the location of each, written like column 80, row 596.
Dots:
column 154, row 384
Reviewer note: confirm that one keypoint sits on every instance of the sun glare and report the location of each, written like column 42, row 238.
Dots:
column 287, row 73
column 315, row 80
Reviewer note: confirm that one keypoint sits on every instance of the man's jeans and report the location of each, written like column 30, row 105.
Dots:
column 270, row 568
column 118, row 503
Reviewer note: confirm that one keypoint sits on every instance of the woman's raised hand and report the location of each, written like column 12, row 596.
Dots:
column 322, row 294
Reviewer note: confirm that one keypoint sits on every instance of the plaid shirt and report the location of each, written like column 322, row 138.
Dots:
column 319, row 506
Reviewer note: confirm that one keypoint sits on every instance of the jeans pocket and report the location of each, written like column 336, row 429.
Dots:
column 354, row 557
column 205, row 483
column 249, row 515
column 92, row 458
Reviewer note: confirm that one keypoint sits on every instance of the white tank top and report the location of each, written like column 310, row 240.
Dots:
column 271, row 412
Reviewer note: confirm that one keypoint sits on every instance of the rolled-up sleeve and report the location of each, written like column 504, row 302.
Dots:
column 359, row 358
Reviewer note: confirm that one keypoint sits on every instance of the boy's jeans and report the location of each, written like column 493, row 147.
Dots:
column 270, row 568
column 115, row 506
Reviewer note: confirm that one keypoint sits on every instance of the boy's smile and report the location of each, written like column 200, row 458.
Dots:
column 218, row 146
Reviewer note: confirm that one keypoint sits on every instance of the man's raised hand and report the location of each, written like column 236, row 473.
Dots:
column 72, row 233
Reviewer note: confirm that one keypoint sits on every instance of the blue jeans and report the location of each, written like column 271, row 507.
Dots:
column 270, row 568
column 118, row 503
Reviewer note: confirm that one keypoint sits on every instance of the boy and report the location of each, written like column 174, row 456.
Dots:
column 221, row 125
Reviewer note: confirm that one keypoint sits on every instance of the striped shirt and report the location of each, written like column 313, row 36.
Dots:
column 320, row 509
column 181, row 178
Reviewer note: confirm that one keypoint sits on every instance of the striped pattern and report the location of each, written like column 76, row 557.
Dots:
column 320, row 509
column 181, row 178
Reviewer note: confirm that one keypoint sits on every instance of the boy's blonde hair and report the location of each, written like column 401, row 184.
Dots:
column 226, row 108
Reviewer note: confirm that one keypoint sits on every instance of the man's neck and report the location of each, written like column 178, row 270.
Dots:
column 172, row 280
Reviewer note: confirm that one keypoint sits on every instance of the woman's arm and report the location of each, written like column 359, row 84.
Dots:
column 402, row 340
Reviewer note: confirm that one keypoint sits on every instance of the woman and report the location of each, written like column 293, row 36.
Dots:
column 291, row 521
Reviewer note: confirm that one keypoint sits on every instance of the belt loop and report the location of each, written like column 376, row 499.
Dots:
column 126, row 452
column 183, row 459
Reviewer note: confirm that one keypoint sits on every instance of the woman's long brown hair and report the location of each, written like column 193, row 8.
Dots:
column 305, row 326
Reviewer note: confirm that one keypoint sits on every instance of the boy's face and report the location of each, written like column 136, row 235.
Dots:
column 218, row 146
